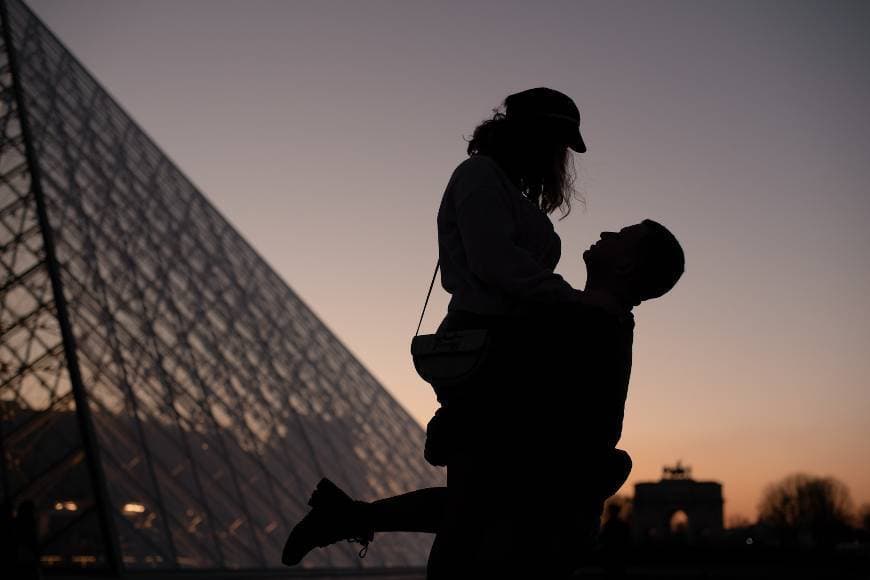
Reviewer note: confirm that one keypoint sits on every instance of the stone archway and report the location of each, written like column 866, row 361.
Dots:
column 677, row 508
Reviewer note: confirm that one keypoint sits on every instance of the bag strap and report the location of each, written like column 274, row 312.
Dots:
column 432, row 283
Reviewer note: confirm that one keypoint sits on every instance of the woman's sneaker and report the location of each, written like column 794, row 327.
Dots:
column 334, row 516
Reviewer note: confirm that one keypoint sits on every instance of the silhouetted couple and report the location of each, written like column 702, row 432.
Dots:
column 530, row 441
column 531, row 457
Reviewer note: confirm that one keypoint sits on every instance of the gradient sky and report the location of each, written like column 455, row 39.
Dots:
column 326, row 132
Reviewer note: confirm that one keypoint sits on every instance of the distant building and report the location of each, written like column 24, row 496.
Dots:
column 677, row 508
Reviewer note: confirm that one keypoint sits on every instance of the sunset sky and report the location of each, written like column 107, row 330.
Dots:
column 326, row 131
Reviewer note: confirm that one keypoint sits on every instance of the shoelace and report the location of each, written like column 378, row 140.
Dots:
column 365, row 546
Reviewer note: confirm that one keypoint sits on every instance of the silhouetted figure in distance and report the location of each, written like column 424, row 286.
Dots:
column 28, row 542
column 8, row 541
column 615, row 541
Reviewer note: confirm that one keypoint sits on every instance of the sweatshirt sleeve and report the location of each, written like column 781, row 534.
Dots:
column 488, row 231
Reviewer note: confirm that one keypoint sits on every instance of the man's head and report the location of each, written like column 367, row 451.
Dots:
column 637, row 263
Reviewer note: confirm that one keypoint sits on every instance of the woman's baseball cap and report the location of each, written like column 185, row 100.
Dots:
column 543, row 103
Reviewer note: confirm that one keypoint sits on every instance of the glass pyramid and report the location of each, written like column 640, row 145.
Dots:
column 166, row 400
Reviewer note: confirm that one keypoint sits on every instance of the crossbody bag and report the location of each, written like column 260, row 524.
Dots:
column 448, row 358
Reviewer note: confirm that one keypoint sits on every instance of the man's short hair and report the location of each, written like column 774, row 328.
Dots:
column 662, row 261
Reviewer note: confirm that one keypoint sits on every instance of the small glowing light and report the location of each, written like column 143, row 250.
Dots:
column 749, row 541
column 84, row 559
column 50, row 559
column 58, row 506
column 133, row 508
column 69, row 506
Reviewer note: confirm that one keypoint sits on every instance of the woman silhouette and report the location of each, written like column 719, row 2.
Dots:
column 498, row 251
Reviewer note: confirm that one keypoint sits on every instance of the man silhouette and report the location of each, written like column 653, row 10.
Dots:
column 533, row 456
column 530, row 458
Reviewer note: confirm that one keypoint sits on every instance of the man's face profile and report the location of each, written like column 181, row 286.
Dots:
column 615, row 252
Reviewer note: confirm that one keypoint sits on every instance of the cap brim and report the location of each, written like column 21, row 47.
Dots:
column 578, row 144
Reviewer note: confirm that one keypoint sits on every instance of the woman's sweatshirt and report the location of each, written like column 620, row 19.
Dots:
column 497, row 249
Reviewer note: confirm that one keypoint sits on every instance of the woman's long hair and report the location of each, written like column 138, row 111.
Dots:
column 538, row 163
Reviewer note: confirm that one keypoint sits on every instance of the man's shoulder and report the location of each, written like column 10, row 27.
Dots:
column 573, row 324
column 574, row 309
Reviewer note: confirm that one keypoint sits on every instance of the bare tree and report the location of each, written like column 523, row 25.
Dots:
column 807, row 510
column 864, row 518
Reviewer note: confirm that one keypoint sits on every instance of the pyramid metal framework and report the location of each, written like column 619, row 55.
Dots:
column 166, row 400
